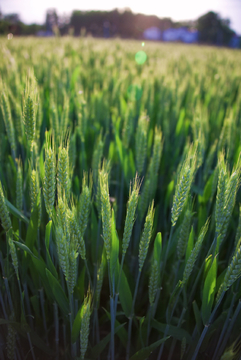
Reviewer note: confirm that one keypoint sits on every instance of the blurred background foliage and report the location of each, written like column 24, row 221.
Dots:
column 212, row 29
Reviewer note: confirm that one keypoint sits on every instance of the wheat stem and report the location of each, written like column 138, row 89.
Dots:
column 131, row 316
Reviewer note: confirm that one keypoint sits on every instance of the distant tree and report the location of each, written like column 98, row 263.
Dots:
column 12, row 18
column 51, row 19
column 31, row 29
column 121, row 23
column 10, row 23
column 63, row 24
column 214, row 30
column 4, row 27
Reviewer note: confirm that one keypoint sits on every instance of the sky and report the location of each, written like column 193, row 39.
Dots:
column 34, row 11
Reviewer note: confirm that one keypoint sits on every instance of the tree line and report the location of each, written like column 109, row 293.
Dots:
column 212, row 28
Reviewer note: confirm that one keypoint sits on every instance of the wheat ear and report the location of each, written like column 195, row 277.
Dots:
column 72, row 153
column 220, row 199
column 72, row 268
column 130, row 215
column 184, row 234
column 100, row 277
column 194, row 254
column 19, row 186
column 63, row 251
column 49, row 180
column 105, row 212
column 183, row 186
column 128, row 126
column 13, row 253
column 75, row 230
column 153, row 281
column 30, row 104
column 238, row 232
column 29, row 119
column 63, row 172
column 63, row 218
column 85, row 326
column 54, row 120
column 96, row 158
column 4, row 214
column 232, row 274
column 7, row 117
column 141, row 142
column 84, row 204
column 146, row 236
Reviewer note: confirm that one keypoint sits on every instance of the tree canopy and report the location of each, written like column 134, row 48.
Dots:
column 214, row 30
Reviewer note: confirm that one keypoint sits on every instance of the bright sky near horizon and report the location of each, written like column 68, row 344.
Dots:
column 34, row 11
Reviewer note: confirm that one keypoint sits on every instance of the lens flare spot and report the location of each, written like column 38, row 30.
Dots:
column 140, row 57
column 134, row 92
column 143, row 44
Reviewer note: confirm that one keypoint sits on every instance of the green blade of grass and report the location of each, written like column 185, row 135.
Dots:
column 13, row 210
column 209, row 292
column 58, row 293
column 97, row 349
column 145, row 352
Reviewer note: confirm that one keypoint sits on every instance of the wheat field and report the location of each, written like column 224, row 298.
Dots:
column 120, row 231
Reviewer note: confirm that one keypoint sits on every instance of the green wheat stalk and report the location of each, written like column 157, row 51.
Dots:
column 18, row 122
column 141, row 142
column 130, row 215
column 19, row 186
column 65, row 117
column 72, row 153
column 128, row 126
column 11, row 340
column 100, row 277
column 226, row 196
column 30, row 106
column 76, row 231
column 150, row 184
column 29, row 119
column 105, row 212
column 96, row 158
column 84, row 203
column 183, row 185
column 194, row 254
column 63, row 216
column 146, row 236
column 221, row 190
column 63, row 251
column 7, row 117
column 238, row 232
column 143, row 248
column 154, row 281
column 63, row 178
column 54, row 121
column 210, row 159
column 13, row 253
column 72, row 274
column 184, row 234
column 4, row 214
column 232, row 274
column 34, row 188
column 85, row 324
column 49, row 179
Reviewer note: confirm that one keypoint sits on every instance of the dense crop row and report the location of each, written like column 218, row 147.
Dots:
column 120, row 231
